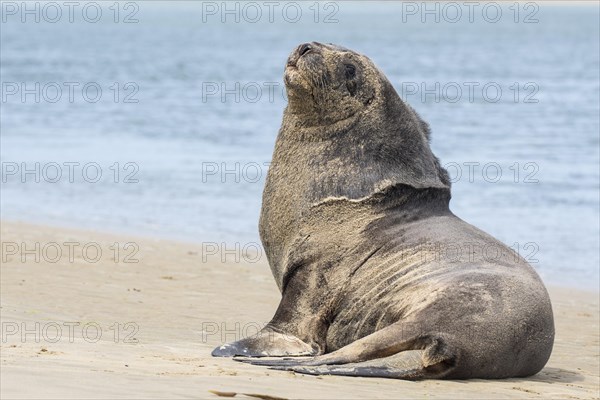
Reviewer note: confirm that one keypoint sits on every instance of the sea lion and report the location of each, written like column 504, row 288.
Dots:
column 378, row 277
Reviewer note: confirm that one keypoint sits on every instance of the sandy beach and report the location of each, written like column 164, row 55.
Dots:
column 98, row 315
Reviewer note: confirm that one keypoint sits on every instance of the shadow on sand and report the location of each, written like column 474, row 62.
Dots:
column 556, row 375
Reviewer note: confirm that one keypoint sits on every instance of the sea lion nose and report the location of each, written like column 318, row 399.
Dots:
column 304, row 48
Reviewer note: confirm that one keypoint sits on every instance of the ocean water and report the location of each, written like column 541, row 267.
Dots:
column 177, row 106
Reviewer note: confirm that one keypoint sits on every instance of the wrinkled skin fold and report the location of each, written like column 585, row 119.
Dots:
column 378, row 277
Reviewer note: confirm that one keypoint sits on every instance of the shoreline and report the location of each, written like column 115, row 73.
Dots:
column 135, row 234
column 147, row 320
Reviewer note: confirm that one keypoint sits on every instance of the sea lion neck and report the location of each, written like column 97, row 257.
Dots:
column 398, row 199
column 299, row 128
column 413, row 202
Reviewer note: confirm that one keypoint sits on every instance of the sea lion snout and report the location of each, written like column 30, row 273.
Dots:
column 326, row 83
column 302, row 50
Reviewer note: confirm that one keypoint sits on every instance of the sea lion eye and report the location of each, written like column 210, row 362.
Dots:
column 350, row 71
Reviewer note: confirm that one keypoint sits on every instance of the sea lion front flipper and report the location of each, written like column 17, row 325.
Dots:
column 267, row 343
column 298, row 328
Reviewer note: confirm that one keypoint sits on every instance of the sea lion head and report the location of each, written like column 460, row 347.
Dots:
column 327, row 83
column 334, row 92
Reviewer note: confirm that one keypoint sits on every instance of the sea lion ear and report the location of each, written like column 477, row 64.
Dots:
column 425, row 128
column 442, row 173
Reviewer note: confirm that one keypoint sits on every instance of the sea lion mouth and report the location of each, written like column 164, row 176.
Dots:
column 294, row 78
column 299, row 78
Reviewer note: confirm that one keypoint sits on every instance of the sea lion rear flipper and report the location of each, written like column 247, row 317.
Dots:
column 403, row 365
column 409, row 364
column 386, row 354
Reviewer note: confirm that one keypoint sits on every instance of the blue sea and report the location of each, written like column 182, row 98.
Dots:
column 157, row 119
